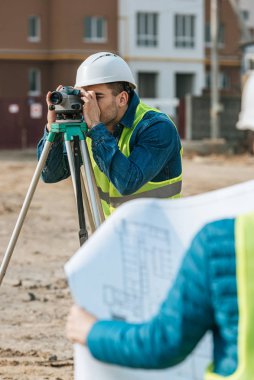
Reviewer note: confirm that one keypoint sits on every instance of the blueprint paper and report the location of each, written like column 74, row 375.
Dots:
column 125, row 269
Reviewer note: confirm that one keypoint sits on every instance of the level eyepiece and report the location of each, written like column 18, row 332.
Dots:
column 56, row 97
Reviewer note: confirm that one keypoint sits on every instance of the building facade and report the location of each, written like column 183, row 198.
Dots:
column 247, row 8
column 42, row 43
column 163, row 42
column 166, row 43
column 230, row 44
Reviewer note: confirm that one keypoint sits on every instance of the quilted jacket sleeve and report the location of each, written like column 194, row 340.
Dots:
column 182, row 320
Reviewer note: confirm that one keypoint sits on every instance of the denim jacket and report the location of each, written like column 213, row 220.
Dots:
column 155, row 152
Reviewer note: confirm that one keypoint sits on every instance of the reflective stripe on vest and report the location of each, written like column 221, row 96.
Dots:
column 110, row 197
column 244, row 243
column 162, row 192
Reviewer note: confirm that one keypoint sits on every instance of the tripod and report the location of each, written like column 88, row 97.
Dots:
column 84, row 186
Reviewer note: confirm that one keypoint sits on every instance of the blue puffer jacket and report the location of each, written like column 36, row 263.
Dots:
column 203, row 297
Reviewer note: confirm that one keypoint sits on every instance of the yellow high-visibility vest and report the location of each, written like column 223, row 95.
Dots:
column 244, row 243
column 110, row 196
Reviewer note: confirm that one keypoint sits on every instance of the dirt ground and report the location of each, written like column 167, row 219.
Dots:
column 34, row 296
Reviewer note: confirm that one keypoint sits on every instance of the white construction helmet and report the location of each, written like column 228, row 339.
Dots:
column 246, row 116
column 103, row 67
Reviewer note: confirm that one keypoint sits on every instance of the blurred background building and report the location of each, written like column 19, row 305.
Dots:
column 42, row 43
column 163, row 42
column 167, row 44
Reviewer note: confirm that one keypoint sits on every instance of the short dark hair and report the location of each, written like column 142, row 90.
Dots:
column 118, row 87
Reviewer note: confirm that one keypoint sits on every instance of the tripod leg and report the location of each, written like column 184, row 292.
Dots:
column 24, row 209
column 95, row 205
column 71, row 165
column 98, row 201
column 72, row 170
column 83, row 235
column 87, row 205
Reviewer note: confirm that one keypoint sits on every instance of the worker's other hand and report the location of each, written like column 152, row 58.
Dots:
column 51, row 113
column 91, row 110
column 79, row 323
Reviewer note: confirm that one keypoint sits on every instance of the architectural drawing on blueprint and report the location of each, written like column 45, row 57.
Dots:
column 145, row 260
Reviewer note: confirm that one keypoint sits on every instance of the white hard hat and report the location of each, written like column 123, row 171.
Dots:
column 103, row 67
column 246, row 116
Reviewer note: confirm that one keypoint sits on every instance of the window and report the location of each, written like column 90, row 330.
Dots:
column 147, row 29
column 147, row 85
column 34, row 28
column 223, row 80
column 221, row 35
column 184, row 84
column 34, row 82
column 184, row 31
column 245, row 15
column 95, row 29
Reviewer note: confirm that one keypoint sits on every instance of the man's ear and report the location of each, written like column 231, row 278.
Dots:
column 123, row 98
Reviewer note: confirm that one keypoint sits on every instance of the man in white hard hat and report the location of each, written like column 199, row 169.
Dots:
column 135, row 149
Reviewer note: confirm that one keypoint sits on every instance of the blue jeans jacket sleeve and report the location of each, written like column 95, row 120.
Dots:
column 183, row 319
column 57, row 166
